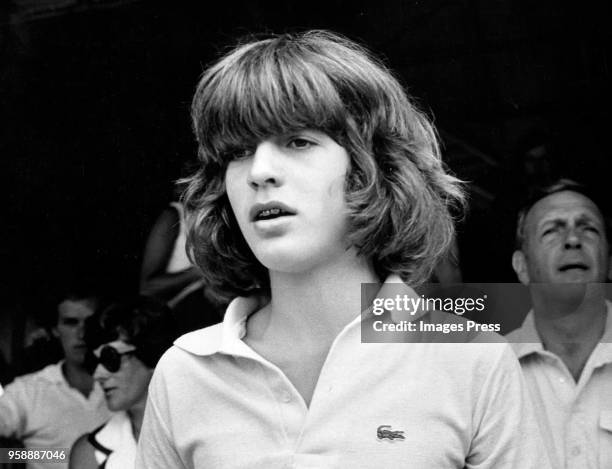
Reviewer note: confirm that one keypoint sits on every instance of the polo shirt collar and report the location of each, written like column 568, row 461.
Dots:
column 53, row 373
column 603, row 352
column 226, row 337
column 526, row 339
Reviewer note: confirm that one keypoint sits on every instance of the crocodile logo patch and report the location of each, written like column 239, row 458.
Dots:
column 384, row 432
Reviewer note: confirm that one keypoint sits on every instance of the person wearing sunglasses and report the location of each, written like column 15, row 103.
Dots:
column 135, row 334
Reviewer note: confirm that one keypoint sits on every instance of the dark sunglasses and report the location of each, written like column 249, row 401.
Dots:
column 110, row 358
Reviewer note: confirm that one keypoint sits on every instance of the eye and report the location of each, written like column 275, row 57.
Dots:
column 239, row 153
column 299, row 143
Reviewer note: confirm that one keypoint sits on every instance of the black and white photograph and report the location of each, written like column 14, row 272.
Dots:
column 308, row 235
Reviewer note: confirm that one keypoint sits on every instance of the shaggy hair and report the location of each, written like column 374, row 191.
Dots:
column 398, row 194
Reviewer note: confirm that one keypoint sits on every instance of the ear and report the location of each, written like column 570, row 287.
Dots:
column 55, row 332
column 519, row 264
column 609, row 277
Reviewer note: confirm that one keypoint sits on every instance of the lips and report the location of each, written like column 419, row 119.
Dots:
column 573, row 265
column 270, row 211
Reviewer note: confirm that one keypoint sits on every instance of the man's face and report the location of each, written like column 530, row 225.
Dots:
column 565, row 242
column 70, row 328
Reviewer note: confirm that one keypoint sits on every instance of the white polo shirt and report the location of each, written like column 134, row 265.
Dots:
column 43, row 411
column 215, row 403
column 575, row 418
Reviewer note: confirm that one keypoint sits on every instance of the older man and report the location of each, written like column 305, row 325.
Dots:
column 564, row 344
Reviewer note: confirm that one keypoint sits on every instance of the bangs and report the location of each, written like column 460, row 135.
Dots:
column 270, row 89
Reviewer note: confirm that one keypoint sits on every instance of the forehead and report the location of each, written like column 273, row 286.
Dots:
column 79, row 309
column 120, row 345
column 274, row 88
column 563, row 206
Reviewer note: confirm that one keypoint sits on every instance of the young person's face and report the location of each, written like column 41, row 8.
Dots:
column 125, row 384
column 70, row 328
column 287, row 195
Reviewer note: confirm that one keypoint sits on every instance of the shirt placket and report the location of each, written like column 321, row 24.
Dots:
column 292, row 410
column 291, row 407
column 575, row 444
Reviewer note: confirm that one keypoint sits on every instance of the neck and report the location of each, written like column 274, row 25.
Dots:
column 571, row 329
column 78, row 377
column 136, row 414
column 314, row 306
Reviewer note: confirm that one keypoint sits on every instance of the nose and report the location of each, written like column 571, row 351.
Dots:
column 81, row 332
column 572, row 239
column 266, row 166
column 100, row 374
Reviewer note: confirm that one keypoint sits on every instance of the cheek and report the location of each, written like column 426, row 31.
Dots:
column 235, row 191
column 65, row 335
column 336, row 197
column 330, row 184
column 338, row 190
column 139, row 379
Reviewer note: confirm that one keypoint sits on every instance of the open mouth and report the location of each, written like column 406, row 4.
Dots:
column 270, row 211
column 574, row 266
column 270, row 214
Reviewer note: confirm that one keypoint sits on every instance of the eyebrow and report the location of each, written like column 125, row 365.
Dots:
column 581, row 220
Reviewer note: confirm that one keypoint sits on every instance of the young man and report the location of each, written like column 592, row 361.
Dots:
column 52, row 407
column 318, row 175
column 564, row 344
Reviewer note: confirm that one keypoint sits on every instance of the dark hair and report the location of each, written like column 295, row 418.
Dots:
column 397, row 190
column 76, row 294
column 141, row 321
column 538, row 193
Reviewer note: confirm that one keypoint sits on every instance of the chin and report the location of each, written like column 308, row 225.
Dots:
column 289, row 265
column 76, row 359
column 299, row 256
column 115, row 406
column 286, row 258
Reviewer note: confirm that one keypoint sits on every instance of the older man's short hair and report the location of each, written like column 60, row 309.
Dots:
column 537, row 194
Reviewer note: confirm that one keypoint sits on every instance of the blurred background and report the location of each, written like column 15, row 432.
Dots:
column 94, row 122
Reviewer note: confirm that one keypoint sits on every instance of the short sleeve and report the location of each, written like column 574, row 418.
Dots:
column 156, row 448
column 506, row 433
column 12, row 410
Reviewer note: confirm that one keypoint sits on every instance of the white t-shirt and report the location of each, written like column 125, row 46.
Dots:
column 43, row 411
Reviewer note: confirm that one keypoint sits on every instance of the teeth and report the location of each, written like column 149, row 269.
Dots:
column 270, row 212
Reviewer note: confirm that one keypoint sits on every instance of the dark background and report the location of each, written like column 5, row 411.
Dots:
column 94, row 120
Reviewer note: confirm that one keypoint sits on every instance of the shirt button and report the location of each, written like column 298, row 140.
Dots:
column 562, row 380
column 575, row 451
column 286, row 397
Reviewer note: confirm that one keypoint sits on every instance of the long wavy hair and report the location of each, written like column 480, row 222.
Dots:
column 398, row 193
